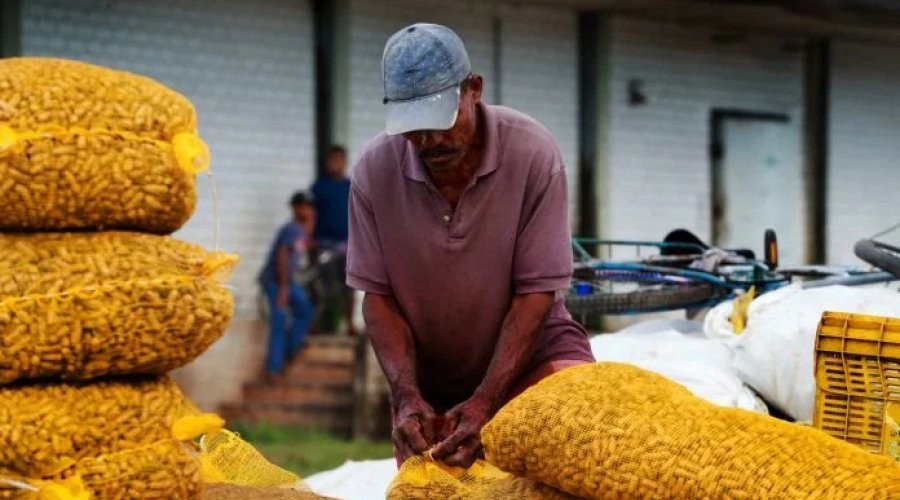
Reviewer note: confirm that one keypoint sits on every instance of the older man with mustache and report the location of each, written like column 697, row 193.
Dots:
column 459, row 235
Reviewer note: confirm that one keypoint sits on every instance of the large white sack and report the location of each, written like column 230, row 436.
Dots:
column 775, row 353
column 717, row 323
column 365, row 480
column 700, row 364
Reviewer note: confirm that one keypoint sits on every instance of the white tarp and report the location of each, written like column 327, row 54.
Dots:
column 776, row 352
column 700, row 364
column 365, row 480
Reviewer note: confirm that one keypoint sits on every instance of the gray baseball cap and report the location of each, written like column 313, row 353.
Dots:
column 423, row 66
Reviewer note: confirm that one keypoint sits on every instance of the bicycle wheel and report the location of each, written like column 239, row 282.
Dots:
column 879, row 255
column 631, row 291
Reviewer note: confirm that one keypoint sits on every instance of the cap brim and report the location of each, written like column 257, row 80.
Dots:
column 434, row 112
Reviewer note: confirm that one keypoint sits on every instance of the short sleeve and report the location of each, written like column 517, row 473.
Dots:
column 543, row 255
column 365, row 259
column 288, row 236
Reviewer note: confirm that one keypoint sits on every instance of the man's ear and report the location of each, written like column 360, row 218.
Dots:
column 476, row 85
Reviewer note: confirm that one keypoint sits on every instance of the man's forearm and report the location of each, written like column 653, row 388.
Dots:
column 518, row 339
column 393, row 343
column 283, row 268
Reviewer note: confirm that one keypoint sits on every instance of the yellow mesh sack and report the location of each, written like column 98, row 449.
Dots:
column 163, row 470
column 420, row 478
column 238, row 492
column 114, row 437
column 87, row 147
column 226, row 458
column 84, row 305
column 609, row 431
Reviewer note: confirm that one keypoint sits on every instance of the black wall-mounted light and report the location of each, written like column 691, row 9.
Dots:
column 636, row 94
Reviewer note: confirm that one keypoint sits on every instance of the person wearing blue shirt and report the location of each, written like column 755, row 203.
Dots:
column 332, row 192
column 291, row 311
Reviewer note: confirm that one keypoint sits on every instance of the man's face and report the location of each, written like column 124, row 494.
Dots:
column 304, row 213
column 337, row 164
column 443, row 150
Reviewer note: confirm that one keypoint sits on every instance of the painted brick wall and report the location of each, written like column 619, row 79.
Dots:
column 539, row 66
column 248, row 68
column 658, row 168
column 864, row 161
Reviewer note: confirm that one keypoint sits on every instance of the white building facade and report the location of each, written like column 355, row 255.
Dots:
column 250, row 69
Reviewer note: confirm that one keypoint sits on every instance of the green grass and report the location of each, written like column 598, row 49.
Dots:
column 307, row 452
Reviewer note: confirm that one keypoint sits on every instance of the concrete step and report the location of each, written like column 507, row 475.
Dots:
column 331, row 418
column 328, row 352
column 322, row 372
column 300, row 392
column 337, row 341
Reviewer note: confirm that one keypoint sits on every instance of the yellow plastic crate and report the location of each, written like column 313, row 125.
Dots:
column 859, row 355
column 858, row 379
column 859, row 421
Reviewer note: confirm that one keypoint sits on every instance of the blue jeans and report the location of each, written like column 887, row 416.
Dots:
column 284, row 341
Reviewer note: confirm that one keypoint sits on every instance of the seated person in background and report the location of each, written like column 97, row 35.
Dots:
column 332, row 193
column 291, row 312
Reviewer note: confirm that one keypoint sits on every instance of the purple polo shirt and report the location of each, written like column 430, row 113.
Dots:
column 454, row 273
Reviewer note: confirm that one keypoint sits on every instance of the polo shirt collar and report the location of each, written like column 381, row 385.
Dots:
column 414, row 169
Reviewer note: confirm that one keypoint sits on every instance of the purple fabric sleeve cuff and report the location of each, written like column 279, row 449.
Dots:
column 537, row 285
column 359, row 283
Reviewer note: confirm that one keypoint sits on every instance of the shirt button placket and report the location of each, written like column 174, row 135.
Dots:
column 447, row 217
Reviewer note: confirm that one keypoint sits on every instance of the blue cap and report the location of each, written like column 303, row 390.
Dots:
column 423, row 66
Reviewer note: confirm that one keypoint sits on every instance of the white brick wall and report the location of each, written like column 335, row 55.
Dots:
column 248, row 68
column 539, row 65
column 864, row 160
column 658, row 174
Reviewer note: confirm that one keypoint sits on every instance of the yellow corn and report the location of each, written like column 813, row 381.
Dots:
column 610, row 430
column 88, row 147
column 421, row 479
column 37, row 92
column 114, row 435
column 236, row 492
column 85, row 305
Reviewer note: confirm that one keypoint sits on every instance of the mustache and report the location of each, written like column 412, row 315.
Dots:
column 434, row 152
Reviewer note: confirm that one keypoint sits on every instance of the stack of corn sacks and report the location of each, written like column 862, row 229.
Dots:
column 92, row 315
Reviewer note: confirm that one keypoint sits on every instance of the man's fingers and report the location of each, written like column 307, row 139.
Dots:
column 405, row 451
column 402, row 447
column 451, row 423
column 427, row 423
column 465, row 455
column 411, row 433
column 449, row 446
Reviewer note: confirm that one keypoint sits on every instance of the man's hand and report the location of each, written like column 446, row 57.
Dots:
column 283, row 295
column 464, row 422
column 414, row 432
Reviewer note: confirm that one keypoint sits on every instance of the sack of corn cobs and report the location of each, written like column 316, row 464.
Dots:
column 422, row 479
column 86, row 147
column 609, row 430
column 84, row 305
column 115, row 437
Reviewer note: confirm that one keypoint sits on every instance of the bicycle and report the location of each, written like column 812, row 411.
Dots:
column 689, row 274
column 879, row 254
